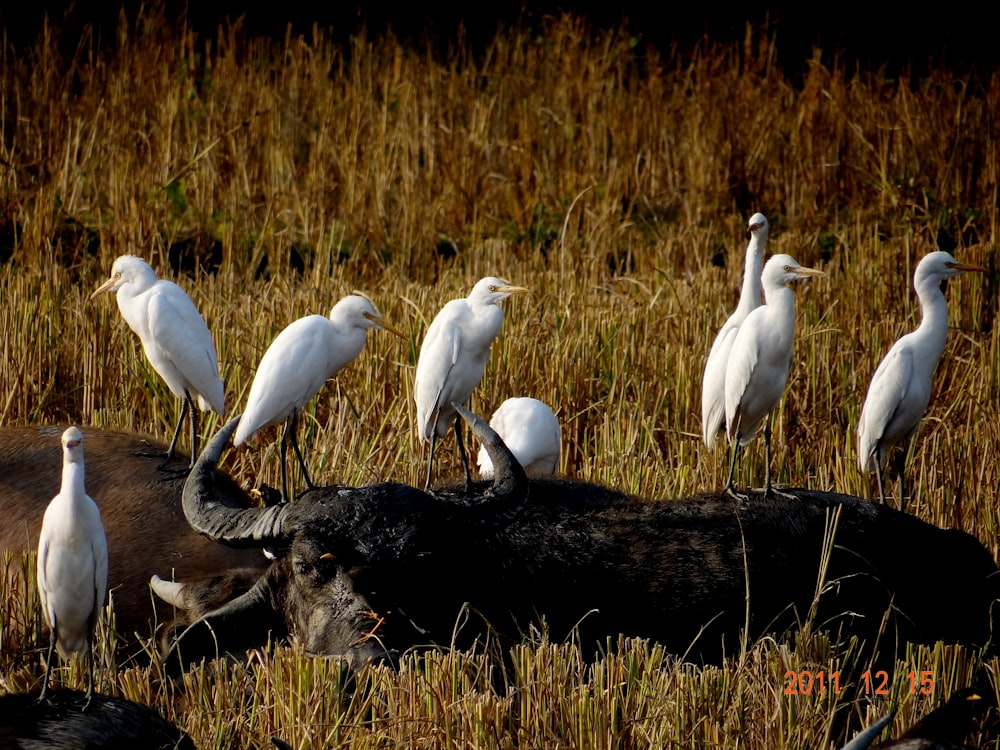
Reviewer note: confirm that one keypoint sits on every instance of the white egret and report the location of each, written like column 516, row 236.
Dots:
column 901, row 387
column 760, row 360
column 298, row 362
column 531, row 432
column 174, row 337
column 453, row 359
column 72, row 563
column 713, row 384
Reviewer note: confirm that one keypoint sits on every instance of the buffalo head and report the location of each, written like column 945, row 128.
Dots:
column 356, row 569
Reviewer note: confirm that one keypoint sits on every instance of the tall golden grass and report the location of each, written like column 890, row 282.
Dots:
column 613, row 180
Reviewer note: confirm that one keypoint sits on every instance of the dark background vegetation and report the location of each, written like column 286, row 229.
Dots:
column 901, row 37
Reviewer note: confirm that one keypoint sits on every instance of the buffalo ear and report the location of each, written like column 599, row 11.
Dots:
column 234, row 628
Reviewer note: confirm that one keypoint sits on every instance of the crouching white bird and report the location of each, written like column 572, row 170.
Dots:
column 713, row 384
column 298, row 362
column 174, row 337
column 760, row 360
column 453, row 359
column 531, row 431
column 901, row 387
column 72, row 564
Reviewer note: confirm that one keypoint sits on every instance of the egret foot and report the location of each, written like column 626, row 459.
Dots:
column 169, row 475
column 152, row 452
column 731, row 491
column 772, row 491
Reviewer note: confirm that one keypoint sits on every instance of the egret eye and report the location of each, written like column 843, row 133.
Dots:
column 492, row 288
column 788, row 269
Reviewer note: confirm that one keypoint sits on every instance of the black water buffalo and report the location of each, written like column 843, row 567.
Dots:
column 60, row 722
column 369, row 572
column 140, row 507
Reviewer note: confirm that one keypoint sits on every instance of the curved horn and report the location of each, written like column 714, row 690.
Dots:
column 865, row 738
column 236, row 625
column 172, row 592
column 509, row 479
column 208, row 514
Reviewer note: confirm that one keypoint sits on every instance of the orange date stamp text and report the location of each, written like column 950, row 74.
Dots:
column 807, row 682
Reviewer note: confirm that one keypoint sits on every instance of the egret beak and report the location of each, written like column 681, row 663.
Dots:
column 380, row 323
column 754, row 227
column 965, row 268
column 105, row 286
column 806, row 272
column 508, row 289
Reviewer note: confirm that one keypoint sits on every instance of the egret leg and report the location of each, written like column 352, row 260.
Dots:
column 177, row 430
column 298, row 453
column 767, row 454
column 462, row 453
column 283, row 450
column 730, row 487
column 769, row 490
column 879, row 479
column 430, row 463
column 48, row 661
column 90, row 665
column 194, row 427
column 901, row 470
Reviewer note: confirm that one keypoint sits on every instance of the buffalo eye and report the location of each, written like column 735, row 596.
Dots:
column 322, row 566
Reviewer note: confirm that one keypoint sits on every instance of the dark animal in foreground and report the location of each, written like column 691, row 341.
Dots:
column 141, row 510
column 59, row 723
column 369, row 572
column 944, row 728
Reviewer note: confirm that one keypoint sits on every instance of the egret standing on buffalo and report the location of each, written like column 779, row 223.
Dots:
column 298, row 362
column 531, row 431
column 901, row 387
column 760, row 360
column 453, row 359
column 174, row 337
column 713, row 384
column 72, row 564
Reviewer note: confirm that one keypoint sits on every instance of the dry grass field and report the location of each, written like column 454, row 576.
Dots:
column 270, row 178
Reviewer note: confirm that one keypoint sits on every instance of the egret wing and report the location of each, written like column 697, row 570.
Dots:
column 886, row 396
column 438, row 354
column 293, row 370
column 181, row 335
column 43, row 564
column 100, row 550
column 739, row 370
column 713, row 385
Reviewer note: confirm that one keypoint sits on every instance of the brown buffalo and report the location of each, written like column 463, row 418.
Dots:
column 140, row 507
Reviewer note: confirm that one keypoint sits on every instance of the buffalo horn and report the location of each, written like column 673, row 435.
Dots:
column 210, row 516
column 509, row 480
column 172, row 592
